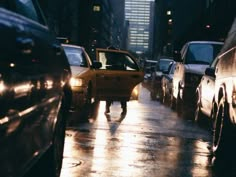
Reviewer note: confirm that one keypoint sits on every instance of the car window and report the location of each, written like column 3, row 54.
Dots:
column 163, row 65
column 26, row 8
column 202, row 53
column 172, row 68
column 76, row 57
column 117, row 61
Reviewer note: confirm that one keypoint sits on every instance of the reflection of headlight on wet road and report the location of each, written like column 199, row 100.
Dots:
column 76, row 82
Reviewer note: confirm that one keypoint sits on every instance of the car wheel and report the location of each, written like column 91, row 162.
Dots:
column 95, row 108
column 172, row 102
column 222, row 132
column 50, row 164
column 55, row 155
column 163, row 94
column 197, row 113
column 179, row 104
column 85, row 112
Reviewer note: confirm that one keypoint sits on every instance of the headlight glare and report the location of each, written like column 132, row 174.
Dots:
column 76, row 82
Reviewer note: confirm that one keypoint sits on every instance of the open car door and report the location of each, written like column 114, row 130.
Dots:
column 117, row 76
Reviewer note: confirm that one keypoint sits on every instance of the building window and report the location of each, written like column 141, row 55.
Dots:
column 96, row 8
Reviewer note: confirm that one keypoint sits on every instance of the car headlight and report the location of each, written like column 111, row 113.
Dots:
column 76, row 82
column 234, row 99
column 135, row 91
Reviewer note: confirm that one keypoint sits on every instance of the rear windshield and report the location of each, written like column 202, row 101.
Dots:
column 202, row 53
column 163, row 65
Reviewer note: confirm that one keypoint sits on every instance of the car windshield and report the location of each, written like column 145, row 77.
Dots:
column 172, row 68
column 75, row 56
column 202, row 53
column 163, row 65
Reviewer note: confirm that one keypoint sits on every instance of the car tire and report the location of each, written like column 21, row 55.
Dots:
column 197, row 110
column 179, row 105
column 50, row 164
column 85, row 112
column 162, row 94
column 55, row 154
column 222, row 142
column 95, row 108
column 172, row 102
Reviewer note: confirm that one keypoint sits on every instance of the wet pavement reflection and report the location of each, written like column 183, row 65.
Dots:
column 150, row 140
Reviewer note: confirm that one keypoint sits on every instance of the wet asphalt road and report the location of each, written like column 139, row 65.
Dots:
column 150, row 141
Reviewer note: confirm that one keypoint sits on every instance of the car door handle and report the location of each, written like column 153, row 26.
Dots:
column 25, row 44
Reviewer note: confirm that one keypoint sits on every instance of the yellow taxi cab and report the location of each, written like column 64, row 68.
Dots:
column 83, row 76
column 118, row 75
column 114, row 75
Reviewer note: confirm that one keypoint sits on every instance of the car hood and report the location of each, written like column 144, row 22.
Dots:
column 196, row 69
column 76, row 70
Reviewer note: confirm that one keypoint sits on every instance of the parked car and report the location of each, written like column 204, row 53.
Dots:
column 118, row 75
column 205, row 93
column 223, row 145
column 34, row 92
column 83, row 78
column 194, row 58
column 167, row 84
column 161, row 66
column 148, row 66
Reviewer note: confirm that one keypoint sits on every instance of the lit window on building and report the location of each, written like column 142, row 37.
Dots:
column 96, row 8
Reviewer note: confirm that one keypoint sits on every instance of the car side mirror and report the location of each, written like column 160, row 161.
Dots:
column 210, row 72
column 97, row 64
column 177, row 56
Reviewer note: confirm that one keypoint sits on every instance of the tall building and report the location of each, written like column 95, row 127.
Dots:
column 138, row 13
column 118, row 24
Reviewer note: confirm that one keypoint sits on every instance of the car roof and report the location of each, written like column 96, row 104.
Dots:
column 230, row 39
column 205, row 42
column 168, row 59
column 151, row 61
column 73, row 46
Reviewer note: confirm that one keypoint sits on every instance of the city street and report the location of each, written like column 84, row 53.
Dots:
column 151, row 140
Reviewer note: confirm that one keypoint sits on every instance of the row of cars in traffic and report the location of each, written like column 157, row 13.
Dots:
column 40, row 81
column 202, row 78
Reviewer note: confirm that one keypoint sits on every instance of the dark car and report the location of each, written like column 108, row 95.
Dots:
column 224, row 115
column 162, row 65
column 167, row 84
column 34, row 92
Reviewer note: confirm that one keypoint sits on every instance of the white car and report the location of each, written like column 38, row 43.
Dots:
column 194, row 58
